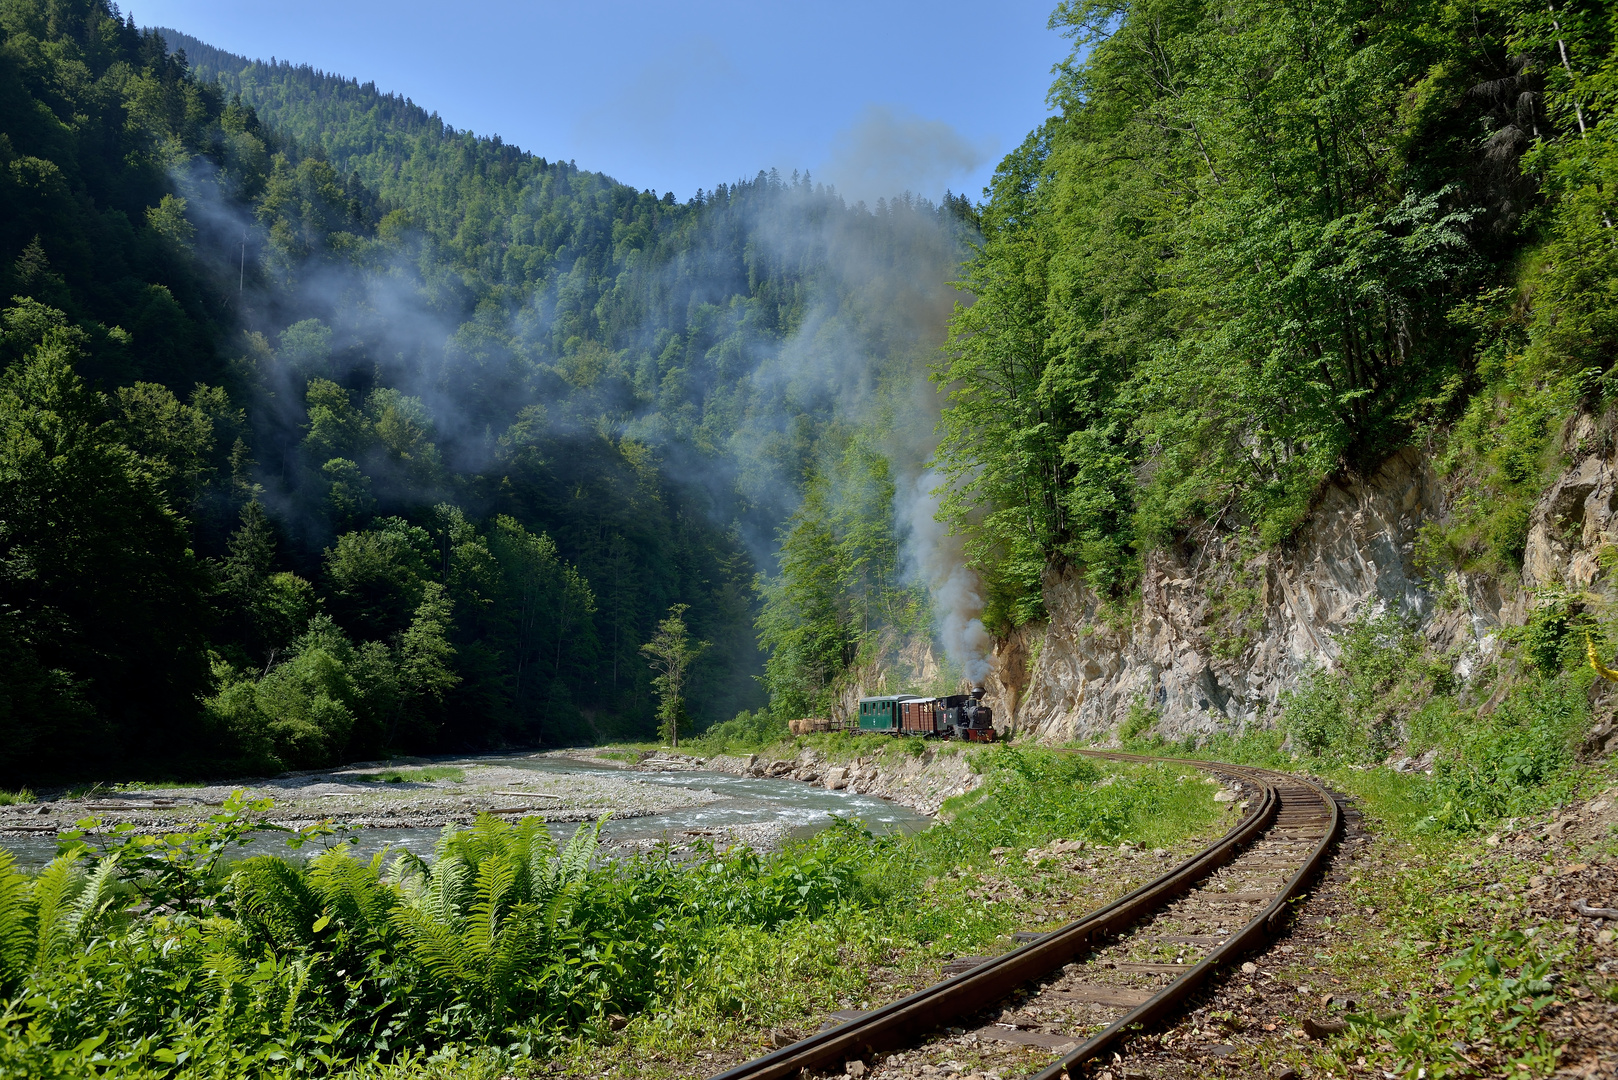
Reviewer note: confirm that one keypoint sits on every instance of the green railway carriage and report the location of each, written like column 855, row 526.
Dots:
column 881, row 713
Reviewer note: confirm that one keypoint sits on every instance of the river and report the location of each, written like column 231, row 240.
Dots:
column 700, row 807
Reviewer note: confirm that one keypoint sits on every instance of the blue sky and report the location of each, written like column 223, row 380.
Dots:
column 875, row 97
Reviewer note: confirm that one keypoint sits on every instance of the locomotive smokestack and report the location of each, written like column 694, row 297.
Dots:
column 978, row 692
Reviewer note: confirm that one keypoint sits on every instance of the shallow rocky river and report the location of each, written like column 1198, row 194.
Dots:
column 686, row 809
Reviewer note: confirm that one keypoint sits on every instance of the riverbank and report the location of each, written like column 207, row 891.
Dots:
column 653, row 801
column 921, row 776
column 373, row 795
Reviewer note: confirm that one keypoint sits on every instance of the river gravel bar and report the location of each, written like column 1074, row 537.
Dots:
column 357, row 796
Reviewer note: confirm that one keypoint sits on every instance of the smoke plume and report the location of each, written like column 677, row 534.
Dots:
column 888, row 150
column 938, row 559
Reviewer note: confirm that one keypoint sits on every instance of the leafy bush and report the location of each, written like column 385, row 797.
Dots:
column 1354, row 712
column 750, row 731
column 1512, row 760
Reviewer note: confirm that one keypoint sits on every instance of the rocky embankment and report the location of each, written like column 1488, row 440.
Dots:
column 922, row 782
column 1225, row 624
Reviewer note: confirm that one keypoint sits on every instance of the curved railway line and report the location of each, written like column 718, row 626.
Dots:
column 1091, row 974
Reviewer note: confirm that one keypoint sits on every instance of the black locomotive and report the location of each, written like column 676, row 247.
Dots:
column 958, row 716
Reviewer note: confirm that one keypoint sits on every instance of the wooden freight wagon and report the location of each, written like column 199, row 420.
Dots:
column 920, row 716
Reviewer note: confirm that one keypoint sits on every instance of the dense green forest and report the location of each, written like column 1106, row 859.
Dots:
column 1262, row 245
column 331, row 431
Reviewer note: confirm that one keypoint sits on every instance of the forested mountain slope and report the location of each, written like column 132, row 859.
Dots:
column 1287, row 402
column 395, row 438
column 1263, row 246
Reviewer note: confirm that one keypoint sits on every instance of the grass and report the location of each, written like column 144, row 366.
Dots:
column 697, row 956
column 16, row 798
column 160, row 785
column 959, row 888
column 425, row 774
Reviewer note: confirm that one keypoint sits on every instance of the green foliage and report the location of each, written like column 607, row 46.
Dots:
column 1514, row 760
column 744, row 731
column 841, row 590
column 21, row 796
column 1033, row 795
column 87, row 538
column 1499, row 985
column 1356, row 710
column 1137, row 726
column 1491, row 760
column 1258, row 247
column 671, row 652
column 629, row 389
column 504, row 940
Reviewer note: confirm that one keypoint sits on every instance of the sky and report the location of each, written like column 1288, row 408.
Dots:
column 875, row 97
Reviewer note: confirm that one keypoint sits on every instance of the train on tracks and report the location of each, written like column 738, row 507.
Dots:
column 958, row 716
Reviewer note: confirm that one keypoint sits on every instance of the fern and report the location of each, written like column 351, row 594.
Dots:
column 275, row 895
column 53, row 893
column 95, row 899
column 581, row 849
column 16, row 924
column 352, row 892
column 494, row 880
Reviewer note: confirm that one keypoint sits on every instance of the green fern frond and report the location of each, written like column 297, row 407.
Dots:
column 300, row 979
column 494, row 880
column 53, row 893
column 446, row 897
column 432, row 944
column 95, row 899
column 16, row 924
column 575, row 858
column 445, row 842
column 561, row 905
column 274, row 894
column 350, row 890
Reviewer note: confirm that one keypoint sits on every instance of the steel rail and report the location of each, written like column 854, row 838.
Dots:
column 903, row 1022
column 1265, row 924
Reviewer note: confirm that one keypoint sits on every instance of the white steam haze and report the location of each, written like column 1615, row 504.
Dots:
column 472, row 375
column 889, row 150
column 937, row 558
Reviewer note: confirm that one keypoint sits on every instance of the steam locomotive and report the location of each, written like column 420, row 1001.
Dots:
column 959, row 716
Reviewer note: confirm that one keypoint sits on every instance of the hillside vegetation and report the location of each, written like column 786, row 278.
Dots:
column 1259, row 246
column 333, row 432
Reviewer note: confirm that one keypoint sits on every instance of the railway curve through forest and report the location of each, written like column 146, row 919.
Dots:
column 1215, row 906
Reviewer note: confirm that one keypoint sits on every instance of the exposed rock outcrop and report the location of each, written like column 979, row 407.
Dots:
column 1226, row 625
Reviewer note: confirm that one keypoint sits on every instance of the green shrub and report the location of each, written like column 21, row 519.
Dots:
column 1512, row 761
column 744, row 731
column 1354, row 712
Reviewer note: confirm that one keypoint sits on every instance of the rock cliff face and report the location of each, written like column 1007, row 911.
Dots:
column 1225, row 625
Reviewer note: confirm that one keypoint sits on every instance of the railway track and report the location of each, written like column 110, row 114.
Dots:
column 1122, row 966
